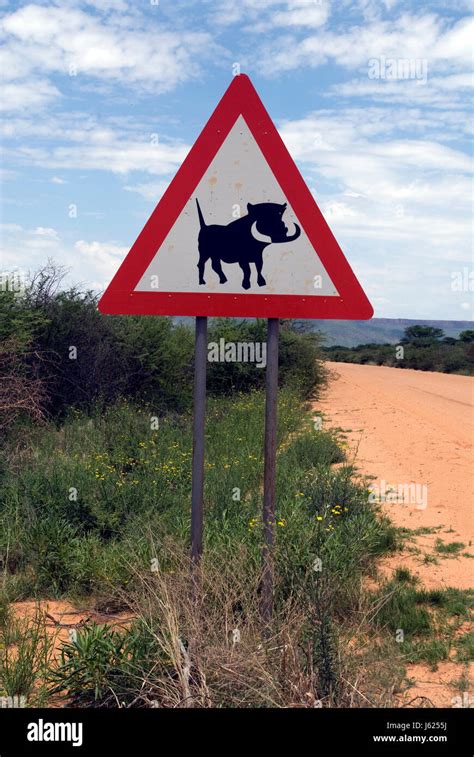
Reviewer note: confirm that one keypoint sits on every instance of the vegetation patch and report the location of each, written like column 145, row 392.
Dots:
column 453, row 548
column 422, row 348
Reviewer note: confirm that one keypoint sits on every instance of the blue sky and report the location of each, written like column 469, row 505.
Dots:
column 103, row 99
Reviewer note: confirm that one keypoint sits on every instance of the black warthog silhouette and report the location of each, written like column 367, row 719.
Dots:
column 243, row 241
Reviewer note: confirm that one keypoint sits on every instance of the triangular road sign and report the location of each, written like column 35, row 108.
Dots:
column 237, row 232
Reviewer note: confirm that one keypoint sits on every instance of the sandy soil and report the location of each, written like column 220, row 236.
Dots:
column 62, row 618
column 410, row 427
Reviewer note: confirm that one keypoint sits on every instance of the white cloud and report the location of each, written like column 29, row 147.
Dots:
column 89, row 263
column 262, row 15
column 422, row 154
column 27, row 95
column 456, row 43
column 119, row 157
column 41, row 231
column 408, row 37
column 151, row 191
column 26, row 248
column 315, row 17
column 101, row 259
column 298, row 14
column 375, row 186
column 117, row 6
column 78, row 141
column 438, row 92
column 228, row 12
column 9, row 228
column 123, row 49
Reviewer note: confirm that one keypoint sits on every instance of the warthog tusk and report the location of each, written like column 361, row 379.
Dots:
column 295, row 235
column 259, row 237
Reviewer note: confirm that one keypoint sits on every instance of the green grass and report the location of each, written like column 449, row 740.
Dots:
column 400, row 610
column 79, row 515
column 465, row 648
column 455, row 602
column 97, row 500
column 428, row 619
column 425, row 530
column 25, row 657
column 109, row 479
column 403, row 576
column 405, row 606
column 430, row 651
column 453, row 548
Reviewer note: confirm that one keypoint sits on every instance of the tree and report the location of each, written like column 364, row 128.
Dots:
column 422, row 335
column 22, row 390
column 467, row 336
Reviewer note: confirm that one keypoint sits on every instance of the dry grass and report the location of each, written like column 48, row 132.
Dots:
column 215, row 652
column 208, row 629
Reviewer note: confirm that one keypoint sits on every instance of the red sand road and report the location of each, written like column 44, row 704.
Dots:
column 414, row 427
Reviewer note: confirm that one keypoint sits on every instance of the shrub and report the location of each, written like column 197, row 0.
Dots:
column 104, row 666
column 58, row 352
column 424, row 349
column 26, row 651
column 300, row 365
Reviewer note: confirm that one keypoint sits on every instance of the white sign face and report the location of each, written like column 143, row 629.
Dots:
column 242, row 206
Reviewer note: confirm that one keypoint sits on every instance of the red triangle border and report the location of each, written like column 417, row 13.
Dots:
column 240, row 98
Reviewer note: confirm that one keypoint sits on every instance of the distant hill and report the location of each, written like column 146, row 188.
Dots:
column 378, row 330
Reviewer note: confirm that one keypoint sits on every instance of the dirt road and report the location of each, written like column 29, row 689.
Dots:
column 414, row 428
column 414, row 431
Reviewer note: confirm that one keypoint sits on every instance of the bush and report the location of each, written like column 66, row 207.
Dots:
column 313, row 449
column 58, row 352
column 22, row 388
column 423, row 350
column 300, row 365
column 103, row 666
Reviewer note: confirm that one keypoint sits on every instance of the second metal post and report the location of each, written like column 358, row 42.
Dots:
column 269, row 473
column 197, row 492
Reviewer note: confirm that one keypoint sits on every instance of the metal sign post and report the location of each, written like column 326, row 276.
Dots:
column 269, row 471
column 197, row 491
